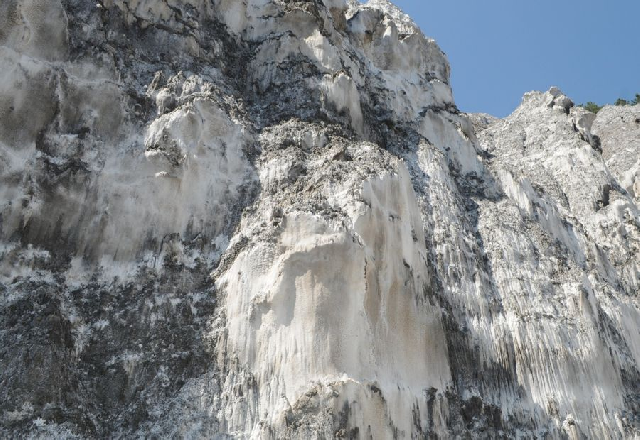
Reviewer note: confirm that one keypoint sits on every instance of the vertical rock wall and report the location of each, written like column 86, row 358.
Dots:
column 268, row 219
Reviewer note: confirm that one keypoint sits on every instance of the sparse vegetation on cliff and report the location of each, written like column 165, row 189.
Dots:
column 595, row 108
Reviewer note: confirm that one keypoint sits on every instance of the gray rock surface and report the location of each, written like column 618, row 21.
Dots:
column 618, row 129
column 268, row 219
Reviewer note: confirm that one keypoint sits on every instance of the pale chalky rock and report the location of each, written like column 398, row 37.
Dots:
column 618, row 129
column 268, row 219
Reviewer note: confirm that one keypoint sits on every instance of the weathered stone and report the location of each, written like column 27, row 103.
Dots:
column 268, row 219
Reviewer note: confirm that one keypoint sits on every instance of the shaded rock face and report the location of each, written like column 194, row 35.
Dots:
column 268, row 219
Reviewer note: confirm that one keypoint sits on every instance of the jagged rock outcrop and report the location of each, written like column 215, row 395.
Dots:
column 268, row 219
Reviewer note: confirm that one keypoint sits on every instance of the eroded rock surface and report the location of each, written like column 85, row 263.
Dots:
column 268, row 219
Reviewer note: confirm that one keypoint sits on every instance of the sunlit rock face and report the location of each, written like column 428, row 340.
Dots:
column 618, row 131
column 268, row 219
column 568, row 283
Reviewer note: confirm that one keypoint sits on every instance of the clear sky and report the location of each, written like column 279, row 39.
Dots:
column 500, row 49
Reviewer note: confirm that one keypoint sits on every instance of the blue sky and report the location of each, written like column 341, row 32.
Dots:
column 500, row 49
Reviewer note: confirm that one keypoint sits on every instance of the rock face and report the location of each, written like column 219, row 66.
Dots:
column 268, row 219
column 618, row 129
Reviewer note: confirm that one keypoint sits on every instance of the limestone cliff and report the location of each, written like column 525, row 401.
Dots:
column 268, row 219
